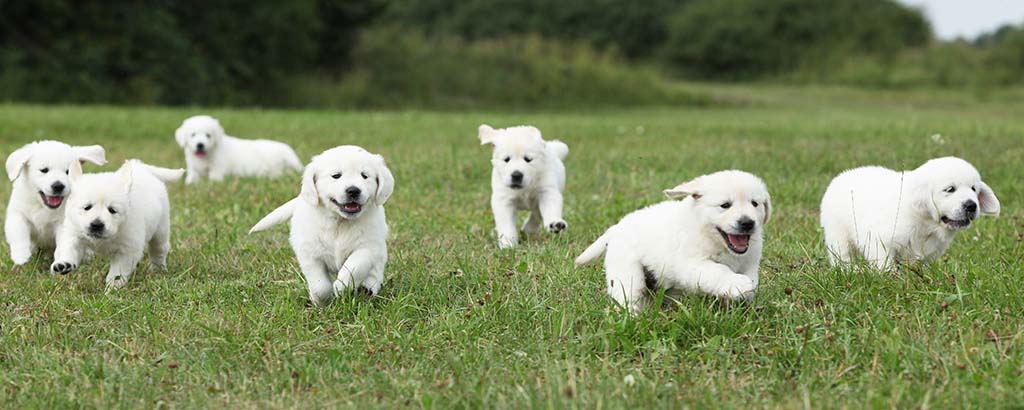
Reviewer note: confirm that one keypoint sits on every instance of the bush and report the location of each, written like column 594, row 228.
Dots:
column 396, row 68
column 748, row 39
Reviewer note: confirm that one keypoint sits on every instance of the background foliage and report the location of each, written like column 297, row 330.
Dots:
column 475, row 52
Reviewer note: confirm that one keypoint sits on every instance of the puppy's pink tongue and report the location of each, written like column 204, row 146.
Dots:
column 352, row 207
column 200, row 154
column 740, row 242
column 54, row 201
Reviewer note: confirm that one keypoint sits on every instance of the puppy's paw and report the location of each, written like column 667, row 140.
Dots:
column 557, row 226
column 20, row 258
column 116, row 281
column 62, row 268
column 371, row 286
column 738, row 287
column 340, row 287
column 505, row 242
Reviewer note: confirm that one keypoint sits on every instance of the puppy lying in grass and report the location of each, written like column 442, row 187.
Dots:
column 890, row 217
column 39, row 172
column 709, row 241
column 209, row 152
column 118, row 215
column 338, row 226
column 528, row 174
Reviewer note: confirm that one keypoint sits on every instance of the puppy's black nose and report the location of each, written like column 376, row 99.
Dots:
column 971, row 207
column 200, row 146
column 96, row 226
column 353, row 192
column 517, row 176
column 57, row 187
column 746, row 224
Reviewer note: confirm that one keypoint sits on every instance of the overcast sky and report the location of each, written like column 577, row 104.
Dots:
column 969, row 18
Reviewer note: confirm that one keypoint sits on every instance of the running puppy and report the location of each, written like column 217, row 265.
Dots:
column 529, row 175
column 338, row 226
column 118, row 215
column 39, row 172
column 708, row 241
column 890, row 216
column 211, row 153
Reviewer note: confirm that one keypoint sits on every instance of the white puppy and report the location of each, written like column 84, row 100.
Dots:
column 211, row 153
column 889, row 217
column 338, row 226
column 39, row 172
column 709, row 242
column 118, row 215
column 528, row 175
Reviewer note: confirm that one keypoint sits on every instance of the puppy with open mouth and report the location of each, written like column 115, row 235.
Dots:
column 119, row 215
column 211, row 153
column 338, row 226
column 40, row 174
column 889, row 217
column 527, row 174
column 708, row 240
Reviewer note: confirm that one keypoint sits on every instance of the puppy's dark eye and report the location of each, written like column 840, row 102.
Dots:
column 527, row 159
column 111, row 210
column 950, row 189
column 726, row 205
column 974, row 189
column 336, row 176
column 88, row 207
column 67, row 171
column 44, row 170
column 754, row 203
column 507, row 159
column 364, row 175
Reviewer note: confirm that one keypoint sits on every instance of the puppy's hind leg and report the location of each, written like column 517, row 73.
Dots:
column 837, row 244
column 533, row 221
column 160, row 245
column 625, row 281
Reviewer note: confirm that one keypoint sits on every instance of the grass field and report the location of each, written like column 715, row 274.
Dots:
column 461, row 324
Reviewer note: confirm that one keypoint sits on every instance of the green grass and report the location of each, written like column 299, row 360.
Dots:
column 461, row 324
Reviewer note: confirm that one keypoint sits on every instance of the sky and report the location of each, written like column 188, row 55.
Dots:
column 968, row 18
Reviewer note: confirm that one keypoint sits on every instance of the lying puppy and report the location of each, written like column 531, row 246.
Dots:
column 529, row 175
column 338, row 229
column 709, row 242
column 117, row 214
column 39, row 172
column 211, row 153
column 888, row 216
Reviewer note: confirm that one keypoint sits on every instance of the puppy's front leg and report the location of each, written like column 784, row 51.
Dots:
column 68, row 255
column 505, row 222
column 356, row 268
column 719, row 280
column 551, row 211
column 321, row 291
column 19, row 237
column 122, row 265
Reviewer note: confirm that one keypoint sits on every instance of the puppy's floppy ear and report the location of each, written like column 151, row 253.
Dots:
column 18, row 159
column 93, row 153
column 308, row 192
column 987, row 200
column 924, row 202
column 218, row 130
column 767, row 210
column 691, row 188
column 181, row 136
column 486, row 134
column 385, row 182
column 125, row 174
column 75, row 171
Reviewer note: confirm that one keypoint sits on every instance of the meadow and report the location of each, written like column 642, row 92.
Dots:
column 460, row 324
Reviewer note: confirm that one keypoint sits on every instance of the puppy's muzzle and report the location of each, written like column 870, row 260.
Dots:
column 200, row 150
column 96, row 229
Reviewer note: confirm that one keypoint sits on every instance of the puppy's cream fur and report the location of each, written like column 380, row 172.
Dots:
column 527, row 174
column 209, row 152
column 338, row 226
column 709, row 241
column 902, row 216
column 39, row 172
column 117, row 215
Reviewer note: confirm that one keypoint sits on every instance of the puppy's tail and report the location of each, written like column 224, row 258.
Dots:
column 594, row 251
column 166, row 175
column 281, row 214
column 558, row 148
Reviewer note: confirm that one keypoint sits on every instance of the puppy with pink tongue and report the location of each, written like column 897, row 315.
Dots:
column 707, row 240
